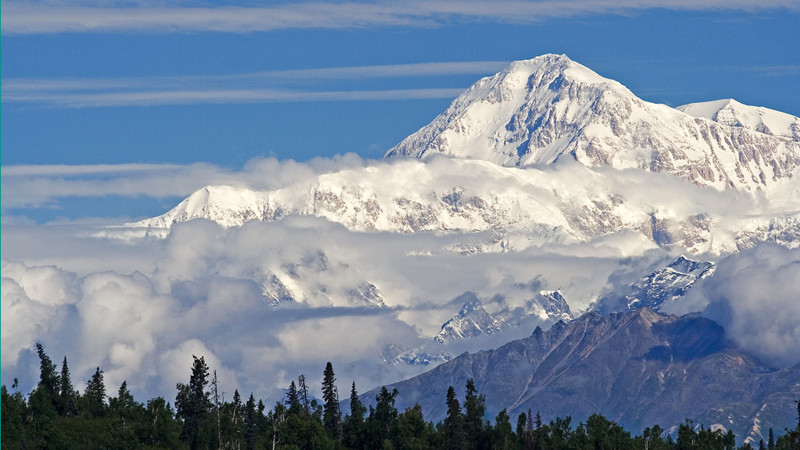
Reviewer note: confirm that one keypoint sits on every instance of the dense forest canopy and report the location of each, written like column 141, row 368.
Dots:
column 56, row 416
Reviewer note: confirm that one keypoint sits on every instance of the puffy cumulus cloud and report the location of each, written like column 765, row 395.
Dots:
column 173, row 364
column 47, row 285
column 34, row 302
column 139, row 311
column 311, row 339
column 754, row 295
column 122, row 318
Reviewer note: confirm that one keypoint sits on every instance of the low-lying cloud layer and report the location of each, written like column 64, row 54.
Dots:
column 140, row 308
column 755, row 295
column 140, row 311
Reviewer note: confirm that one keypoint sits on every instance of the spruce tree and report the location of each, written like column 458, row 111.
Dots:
column 250, row 423
column 453, row 426
column 332, row 415
column 193, row 406
column 353, row 424
column 522, row 420
column 49, row 381
column 474, row 409
column 382, row 419
column 95, row 394
column 66, row 403
column 293, row 399
column 126, row 414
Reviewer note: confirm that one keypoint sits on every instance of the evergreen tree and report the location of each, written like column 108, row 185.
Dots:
column 250, row 423
column 14, row 410
column 293, row 399
column 771, row 442
column 522, row 420
column 332, row 415
column 126, row 415
column 194, row 406
column 382, row 419
column 302, row 393
column 687, row 436
column 353, row 424
column 503, row 436
column 230, row 422
column 43, row 405
column 412, row 432
column 49, row 381
column 67, row 406
column 651, row 438
column 95, row 394
column 474, row 410
column 453, row 426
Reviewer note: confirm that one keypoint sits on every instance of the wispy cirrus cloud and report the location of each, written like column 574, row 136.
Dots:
column 35, row 186
column 21, row 17
column 256, row 87
column 190, row 97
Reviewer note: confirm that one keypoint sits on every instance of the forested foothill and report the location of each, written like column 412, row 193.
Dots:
column 57, row 416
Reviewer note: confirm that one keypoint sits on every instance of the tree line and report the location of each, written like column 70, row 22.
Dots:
column 56, row 416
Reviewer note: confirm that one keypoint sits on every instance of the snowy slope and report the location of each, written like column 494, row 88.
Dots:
column 729, row 112
column 548, row 109
column 660, row 286
column 473, row 319
column 547, row 151
column 523, row 207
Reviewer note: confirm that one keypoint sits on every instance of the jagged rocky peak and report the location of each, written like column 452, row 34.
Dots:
column 473, row 319
column 659, row 287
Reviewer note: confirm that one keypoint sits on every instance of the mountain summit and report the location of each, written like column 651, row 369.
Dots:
column 550, row 108
column 548, row 151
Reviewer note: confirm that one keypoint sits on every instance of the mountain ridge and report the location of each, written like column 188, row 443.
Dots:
column 549, row 151
column 638, row 368
column 549, row 108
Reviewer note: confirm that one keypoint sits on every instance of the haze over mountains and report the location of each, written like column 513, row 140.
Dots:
column 541, row 193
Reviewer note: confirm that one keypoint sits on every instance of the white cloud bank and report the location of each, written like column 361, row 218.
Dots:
column 139, row 309
column 20, row 17
column 755, row 295
column 31, row 186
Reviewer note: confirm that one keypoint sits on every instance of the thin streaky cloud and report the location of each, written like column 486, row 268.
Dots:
column 191, row 97
column 47, row 18
column 777, row 71
column 78, row 170
column 15, row 85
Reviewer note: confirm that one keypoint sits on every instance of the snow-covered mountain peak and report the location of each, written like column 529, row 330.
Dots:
column 550, row 109
column 729, row 112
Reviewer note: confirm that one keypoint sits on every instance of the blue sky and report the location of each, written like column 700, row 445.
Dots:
column 163, row 85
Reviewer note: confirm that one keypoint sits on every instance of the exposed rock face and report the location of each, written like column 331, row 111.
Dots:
column 638, row 368
column 659, row 287
column 549, row 151
column 473, row 320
